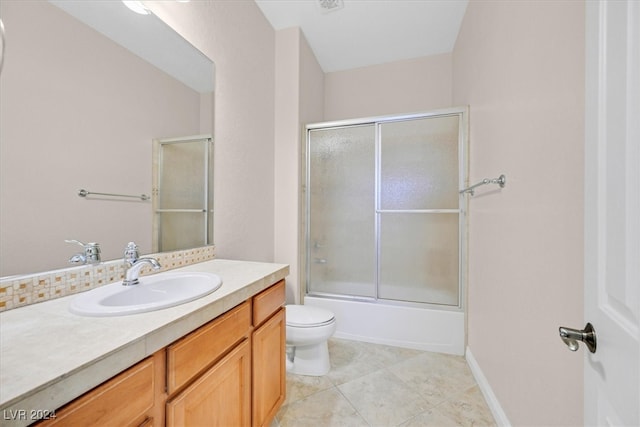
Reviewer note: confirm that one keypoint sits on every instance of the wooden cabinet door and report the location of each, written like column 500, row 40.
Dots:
column 128, row 399
column 220, row 397
column 269, row 375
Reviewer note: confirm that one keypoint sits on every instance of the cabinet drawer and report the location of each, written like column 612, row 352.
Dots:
column 125, row 400
column 198, row 350
column 268, row 302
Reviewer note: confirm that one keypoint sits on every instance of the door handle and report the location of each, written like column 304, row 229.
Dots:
column 571, row 337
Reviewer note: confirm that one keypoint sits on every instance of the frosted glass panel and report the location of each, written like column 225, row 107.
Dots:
column 419, row 164
column 182, row 230
column 182, row 180
column 183, row 193
column 419, row 257
column 341, row 242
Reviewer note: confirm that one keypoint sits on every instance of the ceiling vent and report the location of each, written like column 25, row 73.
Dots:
column 327, row 6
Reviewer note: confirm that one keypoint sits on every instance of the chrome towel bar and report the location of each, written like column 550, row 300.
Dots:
column 85, row 193
column 501, row 181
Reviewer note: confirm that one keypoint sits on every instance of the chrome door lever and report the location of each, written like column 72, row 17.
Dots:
column 571, row 337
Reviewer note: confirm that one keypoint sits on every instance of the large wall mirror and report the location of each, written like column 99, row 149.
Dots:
column 79, row 110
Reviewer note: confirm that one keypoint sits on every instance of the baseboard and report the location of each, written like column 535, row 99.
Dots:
column 498, row 414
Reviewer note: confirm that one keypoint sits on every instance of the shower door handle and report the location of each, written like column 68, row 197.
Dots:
column 571, row 337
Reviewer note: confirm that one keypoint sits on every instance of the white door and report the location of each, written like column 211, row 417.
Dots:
column 612, row 212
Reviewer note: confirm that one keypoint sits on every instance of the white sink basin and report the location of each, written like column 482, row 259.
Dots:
column 153, row 293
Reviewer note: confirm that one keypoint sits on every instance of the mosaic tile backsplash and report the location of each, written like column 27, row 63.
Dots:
column 39, row 287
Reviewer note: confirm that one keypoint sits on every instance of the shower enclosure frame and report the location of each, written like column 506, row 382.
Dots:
column 463, row 166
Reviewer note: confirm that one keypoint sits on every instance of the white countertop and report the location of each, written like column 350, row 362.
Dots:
column 49, row 356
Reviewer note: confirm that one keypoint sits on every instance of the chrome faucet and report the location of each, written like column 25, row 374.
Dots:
column 131, row 276
column 90, row 254
column 135, row 264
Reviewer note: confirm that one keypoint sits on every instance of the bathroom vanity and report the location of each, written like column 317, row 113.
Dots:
column 219, row 360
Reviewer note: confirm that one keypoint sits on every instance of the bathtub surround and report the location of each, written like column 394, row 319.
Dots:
column 39, row 287
column 440, row 329
column 385, row 240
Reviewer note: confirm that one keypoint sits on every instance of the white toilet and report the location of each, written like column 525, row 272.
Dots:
column 308, row 329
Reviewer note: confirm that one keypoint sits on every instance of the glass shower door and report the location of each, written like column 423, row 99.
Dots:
column 341, row 256
column 385, row 219
column 418, row 210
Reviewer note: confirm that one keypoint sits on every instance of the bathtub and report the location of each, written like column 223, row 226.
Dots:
column 427, row 328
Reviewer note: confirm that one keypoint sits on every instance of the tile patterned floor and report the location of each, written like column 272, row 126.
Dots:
column 382, row 386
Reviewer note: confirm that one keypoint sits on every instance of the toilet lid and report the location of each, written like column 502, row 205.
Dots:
column 306, row 315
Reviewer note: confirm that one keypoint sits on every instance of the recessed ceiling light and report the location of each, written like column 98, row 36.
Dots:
column 136, row 6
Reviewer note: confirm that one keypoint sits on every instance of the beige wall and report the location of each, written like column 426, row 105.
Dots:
column 241, row 42
column 520, row 67
column 299, row 100
column 413, row 85
column 286, row 153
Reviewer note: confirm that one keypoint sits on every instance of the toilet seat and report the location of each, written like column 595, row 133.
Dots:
column 305, row 316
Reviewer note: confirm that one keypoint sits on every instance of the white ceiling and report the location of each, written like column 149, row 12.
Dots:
column 368, row 32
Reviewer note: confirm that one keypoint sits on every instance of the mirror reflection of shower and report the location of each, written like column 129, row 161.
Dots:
column 384, row 217
column 183, row 193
